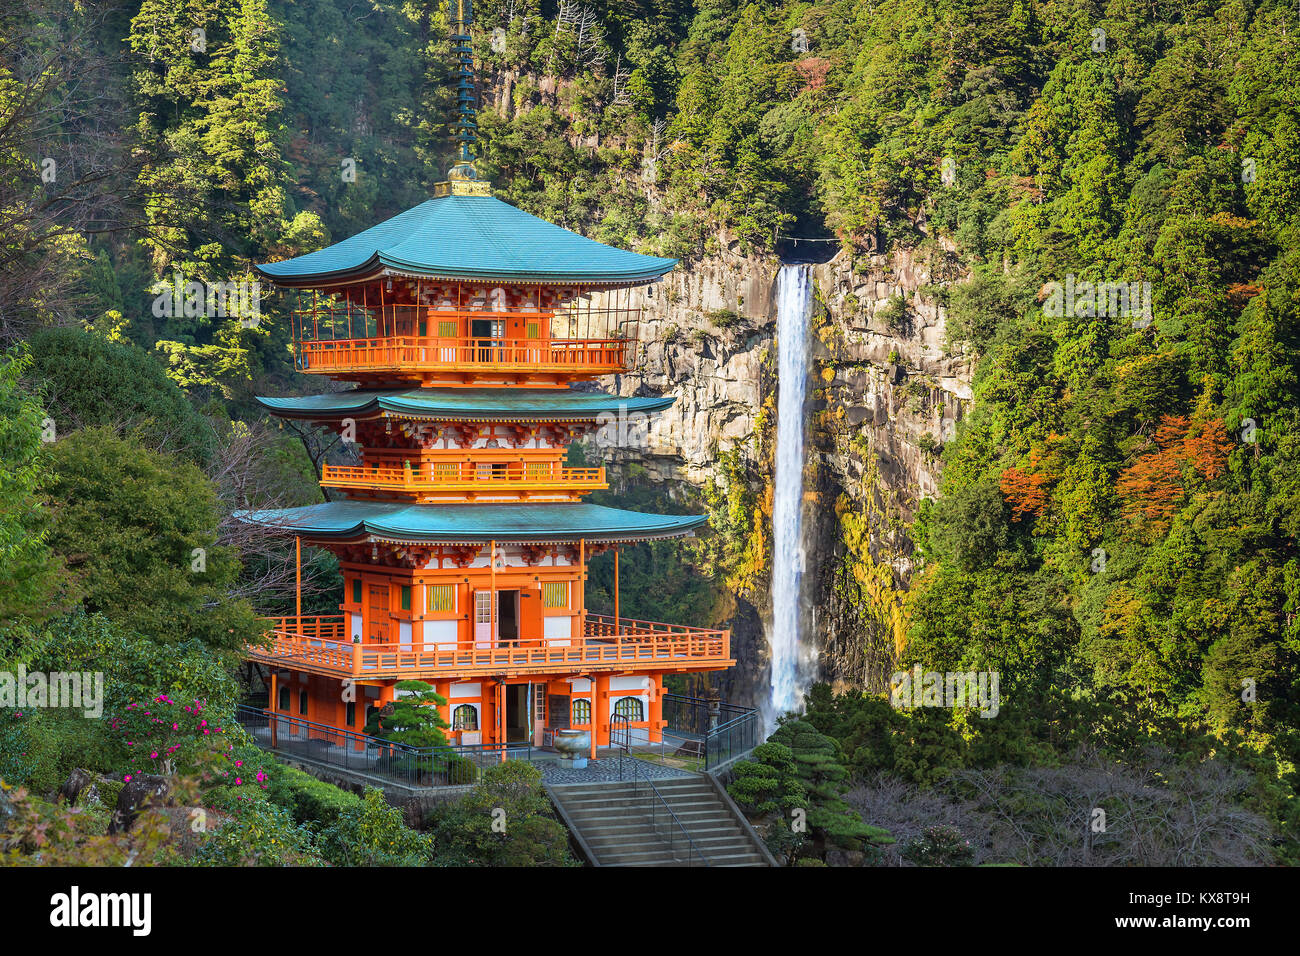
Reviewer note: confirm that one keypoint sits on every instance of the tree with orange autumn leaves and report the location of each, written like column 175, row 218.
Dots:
column 1152, row 486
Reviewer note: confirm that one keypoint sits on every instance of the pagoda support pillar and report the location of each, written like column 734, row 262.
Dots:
column 272, row 704
column 443, row 689
column 599, row 712
column 501, row 718
column 656, row 731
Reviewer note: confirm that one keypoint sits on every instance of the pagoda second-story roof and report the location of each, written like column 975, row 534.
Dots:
column 399, row 522
column 468, row 237
column 468, row 404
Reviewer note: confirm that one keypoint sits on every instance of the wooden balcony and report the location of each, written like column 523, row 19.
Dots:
column 469, row 480
column 318, row 645
column 376, row 357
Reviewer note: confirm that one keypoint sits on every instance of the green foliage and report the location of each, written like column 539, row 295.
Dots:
column 259, row 833
column 371, row 833
column 89, row 381
column 939, row 845
column 43, row 745
column 138, row 530
column 799, row 774
column 29, row 576
column 414, row 718
column 311, row 800
column 505, row 821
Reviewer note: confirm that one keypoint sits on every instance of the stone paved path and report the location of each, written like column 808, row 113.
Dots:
column 604, row 770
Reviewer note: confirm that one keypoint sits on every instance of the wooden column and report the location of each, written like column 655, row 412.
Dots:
column 599, row 709
column 271, row 707
column 492, row 593
column 297, row 550
column 501, row 718
column 582, row 590
column 443, row 689
column 656, row 707
column 616, row 608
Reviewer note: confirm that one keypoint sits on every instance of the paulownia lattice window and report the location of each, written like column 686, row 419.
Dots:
column 449, row 329
column 555, row 594
column 581, row 713
column 630, row 707
column 442, row 597
column 464, row 717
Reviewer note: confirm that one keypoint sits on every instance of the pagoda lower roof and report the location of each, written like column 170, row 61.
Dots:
column 402, row 522
column 468, row 237
column 469, row 404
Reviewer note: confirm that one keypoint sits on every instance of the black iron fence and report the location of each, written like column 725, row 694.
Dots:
column 363, row 754
column 718, row 731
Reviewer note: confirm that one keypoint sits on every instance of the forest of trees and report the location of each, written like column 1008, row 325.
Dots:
column 1116, row 531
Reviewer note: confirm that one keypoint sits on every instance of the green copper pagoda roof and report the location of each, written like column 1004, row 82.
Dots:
column 475, row 404
column 402, row 522
column 464, row 237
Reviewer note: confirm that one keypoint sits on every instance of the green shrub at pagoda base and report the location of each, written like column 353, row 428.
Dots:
column 310, row 800
column 799, row 774
column 261, row 833
column 415, row 721
column 371, row 833
column 507, row 820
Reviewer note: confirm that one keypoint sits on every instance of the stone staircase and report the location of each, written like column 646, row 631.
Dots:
column 612, row 824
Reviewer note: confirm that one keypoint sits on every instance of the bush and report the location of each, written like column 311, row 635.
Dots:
column 372, row 833
column 506, row 821
column 260, row 833
column 939, row 845
column 89, row 381
column 309, row 799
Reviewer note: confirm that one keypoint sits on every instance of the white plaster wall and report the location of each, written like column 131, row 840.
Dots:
column 558, row 630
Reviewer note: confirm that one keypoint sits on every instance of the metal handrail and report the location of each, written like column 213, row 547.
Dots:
column 638, row 780
column 356, row 751
column 720, row 740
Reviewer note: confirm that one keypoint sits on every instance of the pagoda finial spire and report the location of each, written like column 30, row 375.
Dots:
column 462, row 178
column 466, row 94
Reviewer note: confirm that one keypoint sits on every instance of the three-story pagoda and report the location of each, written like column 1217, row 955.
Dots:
column 462, row 325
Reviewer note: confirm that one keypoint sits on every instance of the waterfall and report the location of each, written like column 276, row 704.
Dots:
column 793, row 664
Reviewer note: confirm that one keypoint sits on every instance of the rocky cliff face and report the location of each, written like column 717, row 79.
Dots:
column 884, row 396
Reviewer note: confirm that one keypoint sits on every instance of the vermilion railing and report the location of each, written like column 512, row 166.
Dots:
column 431, row 353
column 466, row 477
column 641, row 643
column 340, row 321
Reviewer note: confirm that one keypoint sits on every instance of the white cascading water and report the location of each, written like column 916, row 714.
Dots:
column 792, row 663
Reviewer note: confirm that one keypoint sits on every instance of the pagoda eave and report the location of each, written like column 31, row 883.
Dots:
column 404, row 524
column 468, row 405
column 379, row 269
column 468, row 238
